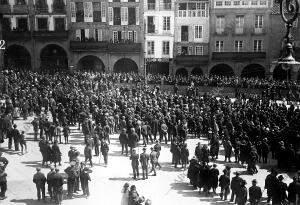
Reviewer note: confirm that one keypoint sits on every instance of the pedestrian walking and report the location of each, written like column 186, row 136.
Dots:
column 224, row 183
column 40, row 180
column 104, row 151
column 56, row 154
column 23, row 142
column 135, row 164
column 153, row 161
column 88, row 154
column 242, row 194
column 50, row 177
column 66, row 132
column 123, row 137
column 144, row 160
column 58, row 182
column 255, row 193
column 235, row 186
column 72, row 174
column 125, row 194
column 84, row 179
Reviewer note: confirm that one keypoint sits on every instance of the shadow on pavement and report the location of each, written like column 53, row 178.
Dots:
column 9, row 151
column 121, row 179
column 33, row 164
column 27, row 201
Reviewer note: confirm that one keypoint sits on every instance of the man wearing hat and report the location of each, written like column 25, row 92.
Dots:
column 50, row 177
column 135, row 163
column 58, row 182
column 72, row 153
column 235, row 185
column 279, row 196
column 144, row 160
column 270, row 184
column 241, row 197
column 84, row 179
column 72, row 173
column 35, row 123
column 153, row 160
column 224, row 183
column 123, row 137
column 16, row 136
column 40, row 180
column 255, row 193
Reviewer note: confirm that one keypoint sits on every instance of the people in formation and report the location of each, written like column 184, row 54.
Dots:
column 250, row 126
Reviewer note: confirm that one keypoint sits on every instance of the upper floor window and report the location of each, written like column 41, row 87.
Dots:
column 219, row 46
column 198, row 32
column 259, row 20
column 166, row 47
column 167, row 5
column 3, row 2
column 263, row 2
column 193, row 10
column 220, row 24
column 79, row 11
column 59, row 24
column 22, row 24
column 199, row 50
column 238, row 46
column 6, row 24
column 166, row 23
column 150, row 24
column 254, row 3
column 151, row 4
column 236, row 3
column 42, row 24
column 184, row 33
column 239, row 21
column 258, row 46
column 150, row 47
column 227, row 3
column 219, row 3
column 20, row 2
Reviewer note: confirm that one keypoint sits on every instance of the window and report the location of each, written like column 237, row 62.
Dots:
column 151, row 25
column 20, row 2
column 97, row 12
column 110, row 16
column 190, row 51
column 245, row 3
column 253, row 3
column 198, row 32
column 59, row 24
column 79, row 12
column 219, row 3
column 124, row 16
column 117, row 36
column 239, row 21
column 73, row 11
column 132, row 36
column 6, row 24
column 88, row 11
column 227, row 3
column 22, row 24
column 151, row 4
column 150, row 47
column 167, row 4
column 236, row 3
column 166, row 47
column 184, row 33
column 166, row 23
column 117, row 15
column 258, row 46
column 99, row 34
column 263, row 2
column 219, row 46
column 3, row 2
column 184, row 50
column 220, row 24
column 131, row 16
column 238, row 46
column 42, row 24
column 259, row 20
column 199, row 50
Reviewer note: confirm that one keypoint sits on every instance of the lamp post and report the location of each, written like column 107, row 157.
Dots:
column 290, row 8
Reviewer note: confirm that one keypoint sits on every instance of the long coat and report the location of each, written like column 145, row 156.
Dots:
column 56, row 154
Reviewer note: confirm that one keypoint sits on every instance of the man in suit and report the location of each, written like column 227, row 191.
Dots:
column 135, row 163
column 255, row 193
column 58, row 182
column 144, row 160
column 153, row 160
column 40, row 180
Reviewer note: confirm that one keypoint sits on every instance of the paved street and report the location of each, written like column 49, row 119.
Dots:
column 170, row 186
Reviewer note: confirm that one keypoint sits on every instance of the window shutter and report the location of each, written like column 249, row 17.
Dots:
column 122, row 15
column 73, row 11
column 86, row 33
column 137, row 15
column 134, row 36
column 78, row 34
column 110, row 16
column 126, row 15
column 103, row 12
column 100, row 35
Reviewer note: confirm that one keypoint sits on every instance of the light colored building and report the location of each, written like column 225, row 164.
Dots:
column 159, row 34
column 191, row 42
column 240, row 32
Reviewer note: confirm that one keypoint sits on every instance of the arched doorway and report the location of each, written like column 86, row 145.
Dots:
column 17, row 56
column 91, row 63
column 125, row 65
column 280, row 74
column 222, row 70
column 253, row 71
column 182, row 72
column 53, row 57
column 197, row 71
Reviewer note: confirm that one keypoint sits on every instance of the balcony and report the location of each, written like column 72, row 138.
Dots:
column 238, row 56
column 5, row 9
column 16, row 35
column 221, row 32
column 58, row 8
column 41, row 9
column 125, row 47
column 258, row 31
column 20, row 9
column 88, row 45
column 46, row 35
column 191, row 60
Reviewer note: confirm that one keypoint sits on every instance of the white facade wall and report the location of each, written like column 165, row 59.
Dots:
column 160, row 35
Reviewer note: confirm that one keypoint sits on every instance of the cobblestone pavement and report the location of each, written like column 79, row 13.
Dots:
column 170, row 186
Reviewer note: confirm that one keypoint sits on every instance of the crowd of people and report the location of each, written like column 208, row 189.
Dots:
column 250, row 128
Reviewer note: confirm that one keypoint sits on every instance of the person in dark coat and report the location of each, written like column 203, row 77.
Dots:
column 255, row 193
column 104, row 151
column 214, row 178
column 58, row 182
column 279, row 196
column 235, row 186
column 135, row 164
column 133, row 139
column 270, row 184
column 50, row 177
column 153, row 161
column 224, row 183
column 157, row 148
column 3, row 180
column 88, row 154
column 123, row 137
column 228, row 149
column 97, row 144
column 144, row 160
column 72, row 173
column 242, row 194
column 172, row 149
column 177, row 155
column 292, row 191
column 66, row 132
column 184, row 156
column 56, row 154
column 16, row 136
column 133, row 196
column 290, row 157
column 47, row 152
column 205, row 154
column 265, row 150
column 198, row 152
column 281, row 156
column 193, row 171
column 84, row 179
column 40, row 180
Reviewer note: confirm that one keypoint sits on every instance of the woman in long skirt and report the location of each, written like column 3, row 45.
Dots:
column 125, row 194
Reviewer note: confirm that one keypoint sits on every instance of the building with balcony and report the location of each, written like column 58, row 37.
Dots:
column 191, row 41
column 159, row 34
column 107, row 36
column 240, row 31
column 276, row 48
column 36, row 34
